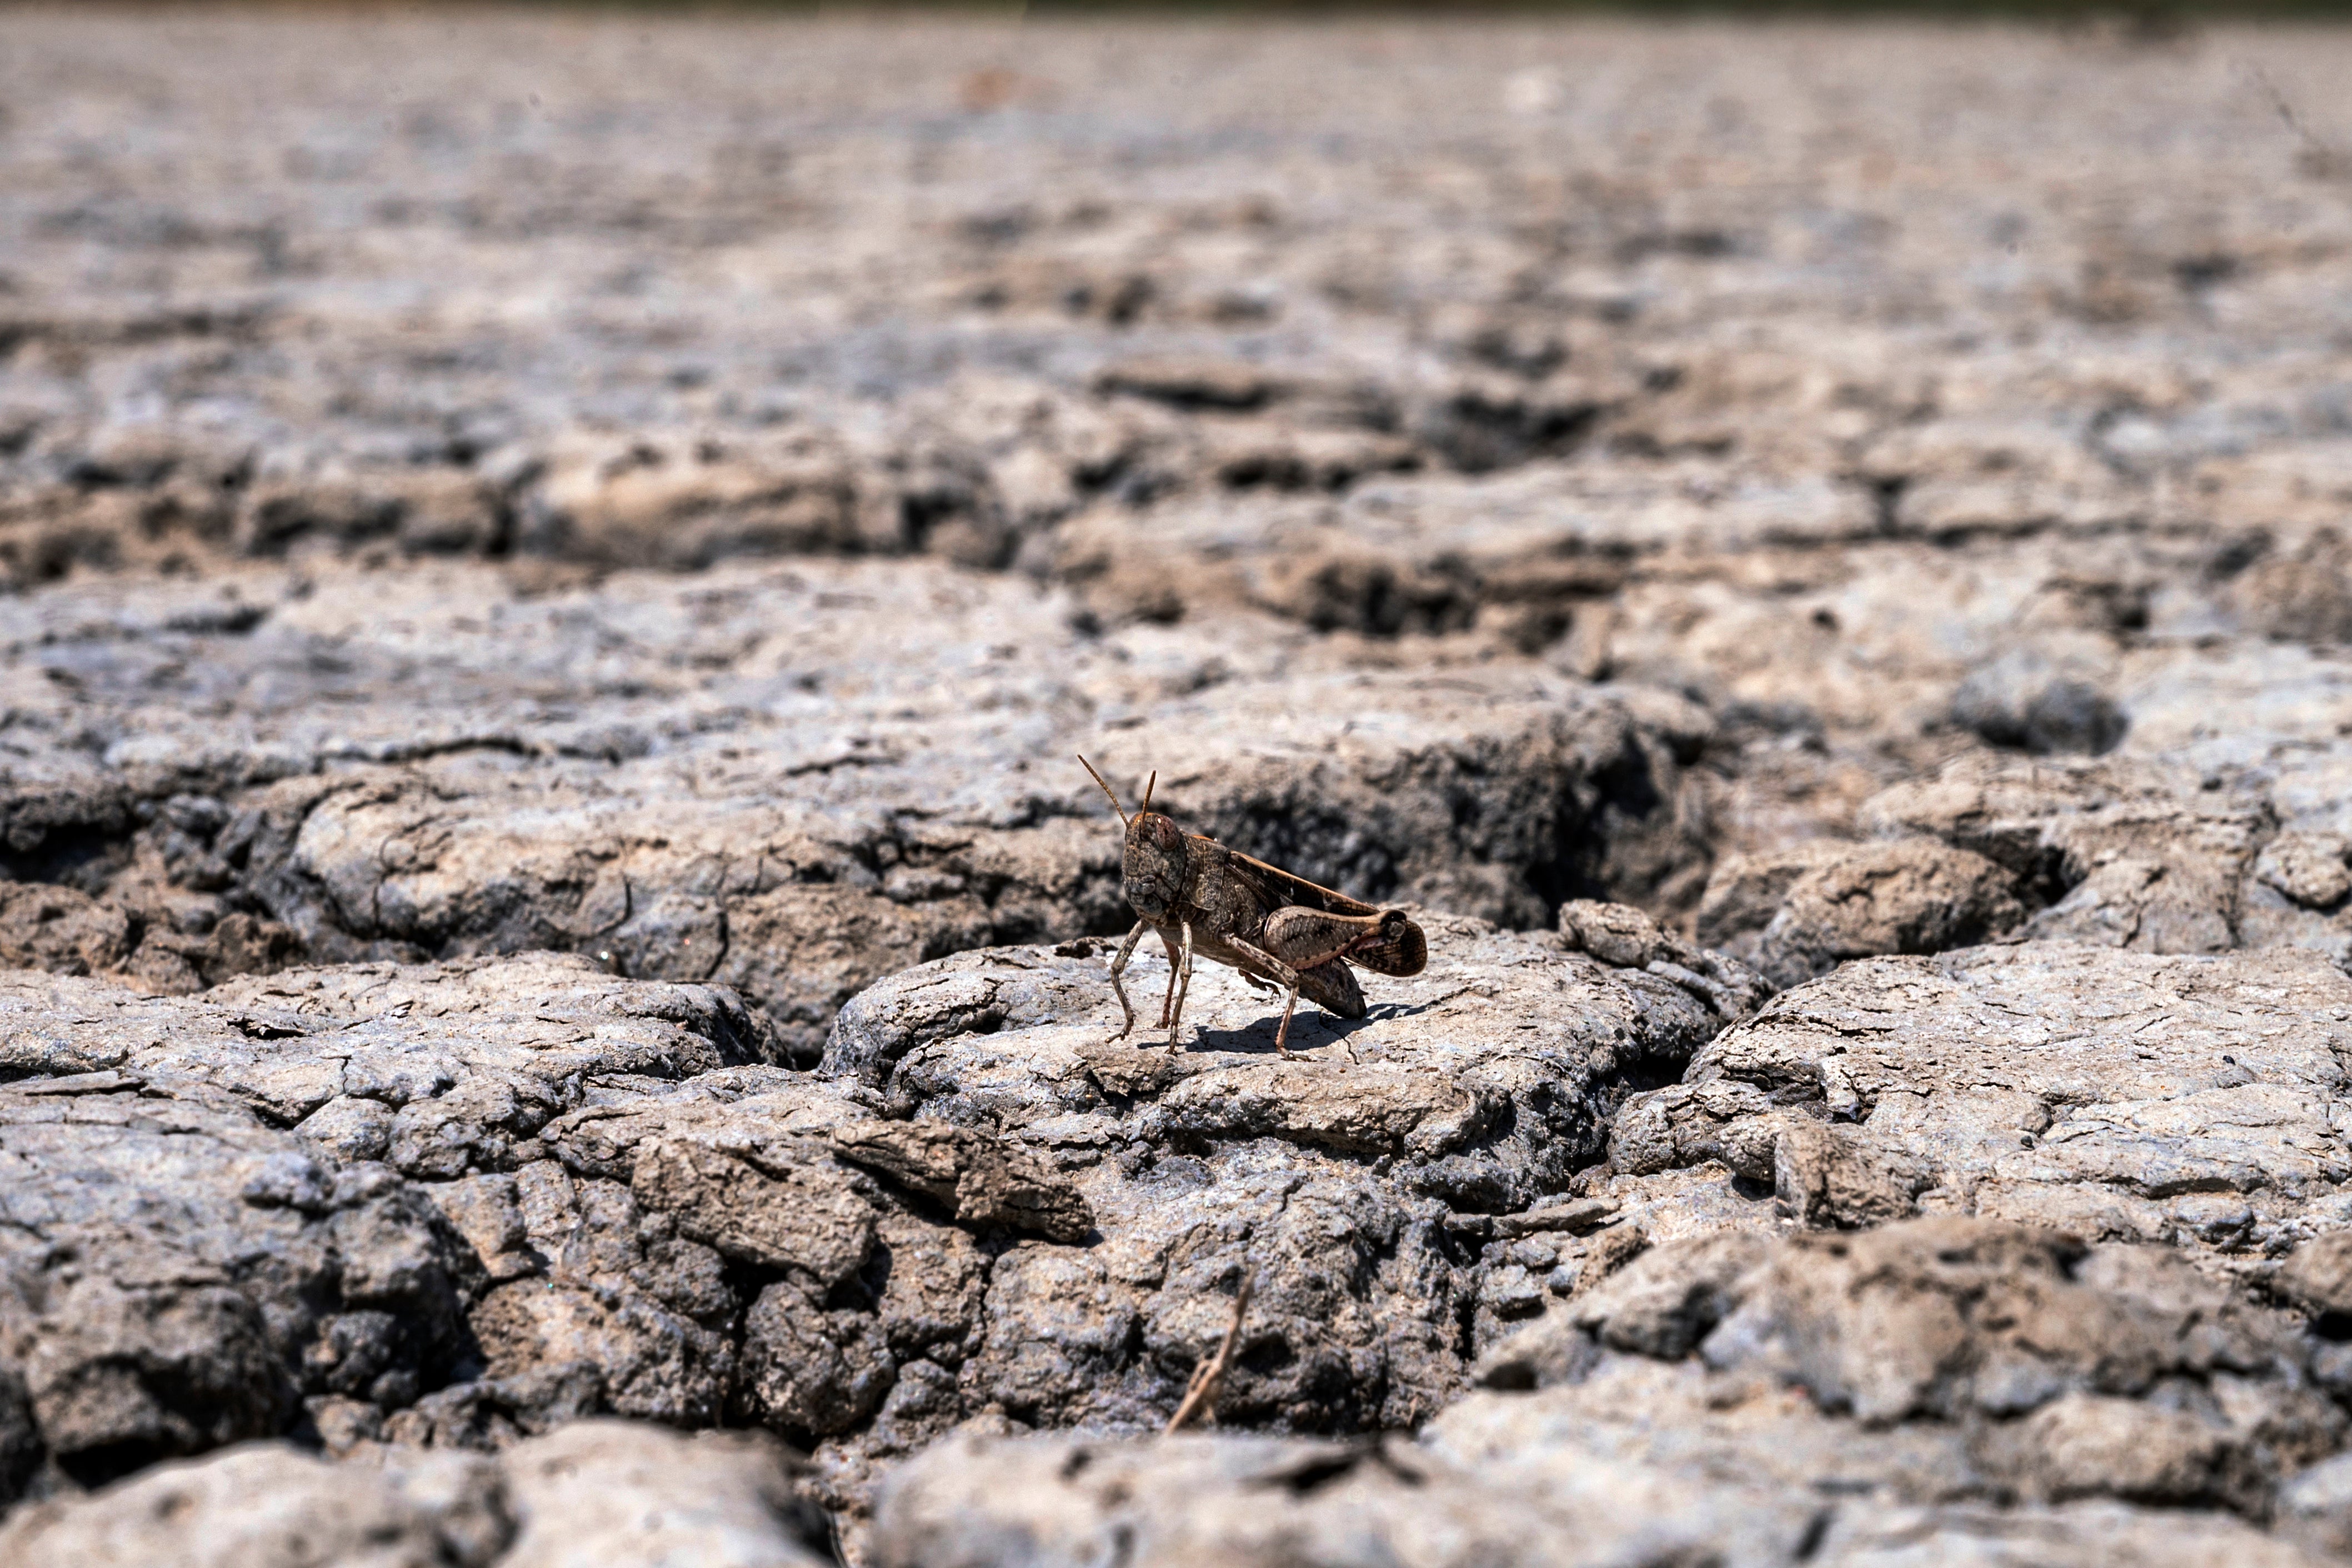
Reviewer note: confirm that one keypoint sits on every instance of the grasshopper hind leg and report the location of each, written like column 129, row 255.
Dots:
column 1175, row 971
column 1282, row 1034
column 1282, row 976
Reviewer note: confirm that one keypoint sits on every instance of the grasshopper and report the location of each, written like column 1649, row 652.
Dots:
column 1281, row 931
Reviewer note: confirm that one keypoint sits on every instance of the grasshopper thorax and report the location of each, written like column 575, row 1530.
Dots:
column 1153, row 868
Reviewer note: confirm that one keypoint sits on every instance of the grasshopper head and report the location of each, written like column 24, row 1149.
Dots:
column 1153, row 868
column 1152, row 872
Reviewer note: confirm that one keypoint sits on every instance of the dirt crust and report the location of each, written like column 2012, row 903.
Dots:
column 553, row 949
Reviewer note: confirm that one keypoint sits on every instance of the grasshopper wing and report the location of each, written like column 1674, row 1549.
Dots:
column 1276, row 887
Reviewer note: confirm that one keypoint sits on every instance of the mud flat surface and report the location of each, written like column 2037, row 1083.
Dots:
column 552, row 954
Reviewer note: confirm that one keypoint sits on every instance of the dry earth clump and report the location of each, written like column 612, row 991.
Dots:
column 553, row 950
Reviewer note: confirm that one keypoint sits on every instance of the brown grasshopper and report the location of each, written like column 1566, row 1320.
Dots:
column 1281, row 931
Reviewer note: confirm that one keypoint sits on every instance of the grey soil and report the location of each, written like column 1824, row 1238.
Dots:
column 553, row 997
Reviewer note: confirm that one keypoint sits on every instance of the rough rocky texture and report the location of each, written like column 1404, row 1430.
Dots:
column 1848, row 450
column 1931, row 1364
column 217, row 1209
column 180, row 1275
column 1803, row 912
column 1970, row 1387
column 2187, row 1099
column 457, row 1205
column 1960, row 1379
column 597, row 1492
column 738, row 778
column 2142, row 855
column 1074, row 1500
column 1376, row 1190
column 1927, row 1362
column 553, row 565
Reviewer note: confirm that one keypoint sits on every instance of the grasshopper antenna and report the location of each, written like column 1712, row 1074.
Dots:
column 1147, row 788
column 1113, row 794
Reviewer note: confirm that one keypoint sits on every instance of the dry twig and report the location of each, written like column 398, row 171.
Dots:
column 1201, row 1393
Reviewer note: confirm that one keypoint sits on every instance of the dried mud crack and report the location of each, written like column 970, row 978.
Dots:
column 553, row 951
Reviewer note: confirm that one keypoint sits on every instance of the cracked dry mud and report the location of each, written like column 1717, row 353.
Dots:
column 552, row 952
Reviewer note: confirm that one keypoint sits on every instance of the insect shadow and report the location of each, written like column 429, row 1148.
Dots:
column 1320, row 1028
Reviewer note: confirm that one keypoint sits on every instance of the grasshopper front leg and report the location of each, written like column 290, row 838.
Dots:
column 1183, row 978
column 1117, row 966
column 1175, row 971
column 1168, row 998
